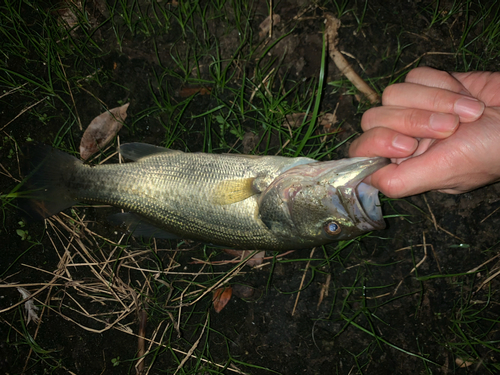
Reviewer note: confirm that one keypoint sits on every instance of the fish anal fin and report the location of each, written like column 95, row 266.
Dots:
column 138, row 226
column 232, row 191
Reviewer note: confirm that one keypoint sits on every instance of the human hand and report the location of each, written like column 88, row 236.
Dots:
column 441, row 130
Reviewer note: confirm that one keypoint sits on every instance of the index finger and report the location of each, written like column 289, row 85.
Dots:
column 433, row 99
column 436, row 78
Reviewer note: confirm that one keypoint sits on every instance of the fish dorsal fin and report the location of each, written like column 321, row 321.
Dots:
column 232, row 191
column 136, row 151
column 244, row 156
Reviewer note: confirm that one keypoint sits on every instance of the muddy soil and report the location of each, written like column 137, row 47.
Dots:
column 384, row 304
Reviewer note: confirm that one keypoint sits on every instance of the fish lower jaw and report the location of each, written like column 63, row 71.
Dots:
column 369, row 206
column 362, row 205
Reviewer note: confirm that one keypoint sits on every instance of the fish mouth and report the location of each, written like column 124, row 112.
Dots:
column 360, row 200
column 367, row 208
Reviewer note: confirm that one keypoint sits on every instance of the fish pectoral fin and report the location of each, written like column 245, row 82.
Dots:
column 138, row 226
column 232, row 191
column 136, row 150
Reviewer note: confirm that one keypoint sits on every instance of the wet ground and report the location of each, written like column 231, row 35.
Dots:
column 418, row 297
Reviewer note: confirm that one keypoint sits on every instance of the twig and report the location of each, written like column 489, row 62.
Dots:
column 430, row 53
column 488, row 280
column 143, row 318
column 303, row 278
column 193, row 348
column 498, row 208
column 430, row 211
column 13, row 90
column 424, row 245
column 483, row 264
column 24, row 110
column 70, row 93
column 424, row 258
column 332, row 27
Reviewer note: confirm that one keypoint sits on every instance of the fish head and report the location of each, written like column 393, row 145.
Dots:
column 318, row 203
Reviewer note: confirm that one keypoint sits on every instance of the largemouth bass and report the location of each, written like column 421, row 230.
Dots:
column 237, row 201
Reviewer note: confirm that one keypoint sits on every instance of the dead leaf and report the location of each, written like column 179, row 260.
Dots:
column 250, row 141
column 256, row 260
column 295, row 120
column 243, row 291
column 190, row 91
column 102, row 130
column 221, row 298
column 29, row 306
column 67, row 14
column 266, row 25
column 328, row 119
column 462, row 363
column 324, row 290
column 327, row 122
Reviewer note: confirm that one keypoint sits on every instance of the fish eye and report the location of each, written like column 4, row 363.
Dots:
column 332, row 228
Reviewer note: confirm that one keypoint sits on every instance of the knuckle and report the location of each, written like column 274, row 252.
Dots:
column 441, row 101
column 369, row 118
column 389, row 93
column 353, row 148
column 382, row 138
column 412, row 118
column 393, row 187
column 415, row 74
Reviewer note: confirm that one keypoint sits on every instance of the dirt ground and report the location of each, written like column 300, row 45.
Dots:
column 415, row 298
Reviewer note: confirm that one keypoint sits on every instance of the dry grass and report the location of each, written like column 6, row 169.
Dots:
column 118, row 280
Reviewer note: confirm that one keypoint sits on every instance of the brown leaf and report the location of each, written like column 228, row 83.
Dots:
column 256, row 260
column 266, row 25
column 327, row 122
column 102, row 130
column 221, row 298
column 189, row 91
column 66, row 13
column 243, row 291
column 328, row 119
column 295, row 120
column 463, row 363
column 250, row 141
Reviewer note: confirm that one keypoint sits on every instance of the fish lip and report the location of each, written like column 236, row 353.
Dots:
column 353, row 171
column 360, row 200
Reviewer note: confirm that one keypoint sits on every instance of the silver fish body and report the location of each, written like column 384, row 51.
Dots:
column 237, row 201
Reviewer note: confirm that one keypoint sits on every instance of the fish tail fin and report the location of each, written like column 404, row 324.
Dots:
column 46, row 189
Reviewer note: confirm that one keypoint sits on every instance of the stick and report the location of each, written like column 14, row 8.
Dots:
column 332, row 28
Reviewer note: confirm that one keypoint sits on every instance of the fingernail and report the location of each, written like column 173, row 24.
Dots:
column 404, row 143
column 442, row 122
column 469, row 108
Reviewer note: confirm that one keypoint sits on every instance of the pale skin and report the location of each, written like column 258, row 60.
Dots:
column 441, row 131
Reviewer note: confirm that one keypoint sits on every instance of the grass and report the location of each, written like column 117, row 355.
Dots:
column 247, row 96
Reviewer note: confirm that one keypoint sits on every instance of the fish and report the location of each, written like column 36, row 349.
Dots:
column 231, row 200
